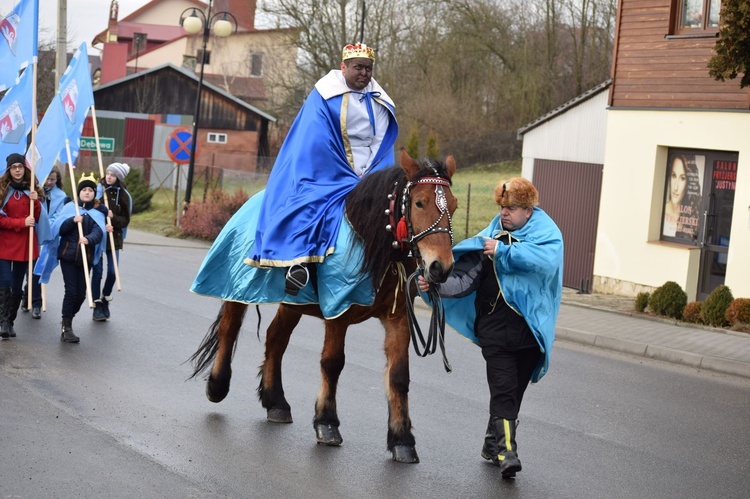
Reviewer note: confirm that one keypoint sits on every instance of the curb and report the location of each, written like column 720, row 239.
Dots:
column 666, row 354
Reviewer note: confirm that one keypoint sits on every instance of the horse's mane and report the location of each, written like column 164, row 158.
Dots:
column 365, row 209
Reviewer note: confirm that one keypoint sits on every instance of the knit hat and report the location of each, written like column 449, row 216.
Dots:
column 14, row 158
column 86, row 181
column 119, row 170
column 516, row 191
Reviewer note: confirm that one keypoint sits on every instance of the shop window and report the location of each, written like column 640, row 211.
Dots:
column 217, row 138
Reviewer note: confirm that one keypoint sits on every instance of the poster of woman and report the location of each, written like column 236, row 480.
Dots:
column 683, row 196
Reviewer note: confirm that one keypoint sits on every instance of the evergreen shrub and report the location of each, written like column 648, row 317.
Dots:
column 139, row 190
column 641, row 301
column 205, row 220
column 715, row 307
column 738, row 313
column 669, row 299
column 692, row 312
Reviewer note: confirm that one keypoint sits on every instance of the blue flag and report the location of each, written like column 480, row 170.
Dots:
column 18, row 40
column 16, row 116
column 65, row 116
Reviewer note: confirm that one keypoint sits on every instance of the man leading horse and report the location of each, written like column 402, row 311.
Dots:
column 345, row 130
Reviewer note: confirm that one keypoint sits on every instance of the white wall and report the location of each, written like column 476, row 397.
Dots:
column 628, row 250
column 578, row 134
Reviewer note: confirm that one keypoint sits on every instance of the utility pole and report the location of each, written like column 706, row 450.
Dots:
column 61, row 49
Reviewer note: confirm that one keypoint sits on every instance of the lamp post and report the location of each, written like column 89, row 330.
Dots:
column 193, row 21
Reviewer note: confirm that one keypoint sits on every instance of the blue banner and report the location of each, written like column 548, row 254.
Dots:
column 16, row 116
column 65, row 116
column 18, row 40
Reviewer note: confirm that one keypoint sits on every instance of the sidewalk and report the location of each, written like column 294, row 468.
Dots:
column 606, row 321
column 610, row 322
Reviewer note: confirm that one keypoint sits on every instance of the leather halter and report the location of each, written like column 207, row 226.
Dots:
column 403, row 231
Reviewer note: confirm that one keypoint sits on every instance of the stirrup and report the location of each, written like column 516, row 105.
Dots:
column 297, row 278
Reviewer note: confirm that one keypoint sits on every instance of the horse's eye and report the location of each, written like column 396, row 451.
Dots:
column 419, row 204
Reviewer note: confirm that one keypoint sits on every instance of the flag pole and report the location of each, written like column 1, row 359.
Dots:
column 106, row 198
column 30, row 272
column 79, row 224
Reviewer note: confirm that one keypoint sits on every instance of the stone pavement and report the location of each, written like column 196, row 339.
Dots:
column 608, row 322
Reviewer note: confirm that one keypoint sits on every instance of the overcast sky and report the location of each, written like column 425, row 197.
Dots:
column 86, row 18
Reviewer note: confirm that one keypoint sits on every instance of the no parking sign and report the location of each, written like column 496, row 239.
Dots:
column 178, row 146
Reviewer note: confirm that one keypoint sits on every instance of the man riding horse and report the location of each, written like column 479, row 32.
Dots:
column 345, row 130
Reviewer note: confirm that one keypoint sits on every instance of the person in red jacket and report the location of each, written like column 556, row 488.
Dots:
column 15, row 221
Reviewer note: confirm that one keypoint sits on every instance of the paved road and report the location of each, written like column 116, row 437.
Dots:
column 114, row 416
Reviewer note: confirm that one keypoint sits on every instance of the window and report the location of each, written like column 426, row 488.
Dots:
column 217, row 138
column 256, row 64
column 200, row 57
column 697, row 17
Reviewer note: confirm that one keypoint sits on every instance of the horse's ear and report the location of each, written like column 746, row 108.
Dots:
column 450, row 166
column 410, row 167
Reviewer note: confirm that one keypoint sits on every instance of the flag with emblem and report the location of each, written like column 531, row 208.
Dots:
column 18, row 40
column 65, row 116
column 16, row 115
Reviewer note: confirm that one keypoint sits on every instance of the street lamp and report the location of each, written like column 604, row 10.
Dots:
column 193, row 21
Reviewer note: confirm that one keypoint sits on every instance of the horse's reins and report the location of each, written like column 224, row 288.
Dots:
column 403, row 233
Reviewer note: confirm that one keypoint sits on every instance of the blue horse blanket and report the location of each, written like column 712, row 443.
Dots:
column 225, row 275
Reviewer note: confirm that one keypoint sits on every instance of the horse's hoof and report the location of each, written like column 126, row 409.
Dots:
column 279, row 415
column 216, row 391
column 405, row 454
column 328, row 434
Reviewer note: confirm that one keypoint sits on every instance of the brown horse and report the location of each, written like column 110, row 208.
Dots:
column 402, row 216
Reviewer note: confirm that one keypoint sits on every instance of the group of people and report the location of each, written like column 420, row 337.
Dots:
column 507, row 282
column 63, row 230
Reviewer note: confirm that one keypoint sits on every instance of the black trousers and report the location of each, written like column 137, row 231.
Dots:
column 75, row 288
column 508, row 376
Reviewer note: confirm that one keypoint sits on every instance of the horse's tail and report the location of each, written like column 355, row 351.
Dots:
column 206, row 353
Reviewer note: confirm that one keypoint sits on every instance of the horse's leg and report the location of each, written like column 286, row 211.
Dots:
column 232, row 314
column 326, row 421
column 270, row 388
column 400, row 438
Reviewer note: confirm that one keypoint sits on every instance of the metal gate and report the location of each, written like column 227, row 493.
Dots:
column 569, row 192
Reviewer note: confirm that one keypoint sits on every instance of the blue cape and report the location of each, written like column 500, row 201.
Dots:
column 302, row 210
column 529, row 272
column 57, row 199
column 48, row 255
column 225, row 273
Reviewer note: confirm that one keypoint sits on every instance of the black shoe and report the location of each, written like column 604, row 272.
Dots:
column 98, row 314
column 24, row 306
column 297, row 278
column 36, row 313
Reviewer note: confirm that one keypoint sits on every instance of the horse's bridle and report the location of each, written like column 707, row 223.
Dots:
column 403, row 231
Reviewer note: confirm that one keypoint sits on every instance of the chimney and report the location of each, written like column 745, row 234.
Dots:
column 243, row 10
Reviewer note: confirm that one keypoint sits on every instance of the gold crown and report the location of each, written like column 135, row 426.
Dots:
column 355, row 50
column 90, row 177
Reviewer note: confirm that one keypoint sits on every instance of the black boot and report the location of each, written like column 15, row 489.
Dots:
column 5, row 297
column 105, row 306
column 98, row 314
column 67, row 331
column 15, row 302
column 507, row 456
column 297, row 277
column 24, row 302
column 489, row 450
